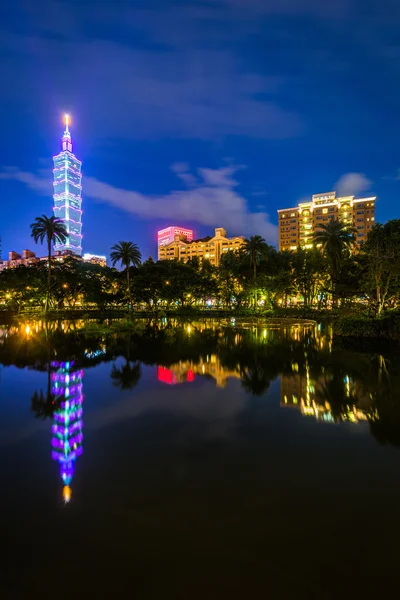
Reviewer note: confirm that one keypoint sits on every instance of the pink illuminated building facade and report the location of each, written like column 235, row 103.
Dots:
column 167, row 236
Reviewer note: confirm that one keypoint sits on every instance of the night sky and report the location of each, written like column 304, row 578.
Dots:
column 201, row 113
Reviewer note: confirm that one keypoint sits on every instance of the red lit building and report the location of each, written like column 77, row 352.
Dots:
column 167, row 236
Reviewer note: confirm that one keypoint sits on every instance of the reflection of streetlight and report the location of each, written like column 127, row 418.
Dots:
column 27, row 330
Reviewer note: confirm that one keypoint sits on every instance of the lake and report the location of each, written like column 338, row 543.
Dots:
column 194, row 460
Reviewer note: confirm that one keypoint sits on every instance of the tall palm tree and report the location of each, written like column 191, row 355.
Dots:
column 336, row 239
column 255, row 247
column 128, row 254
column 51, row 230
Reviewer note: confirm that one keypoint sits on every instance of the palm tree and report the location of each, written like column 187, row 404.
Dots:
column 336, row 239
column 127, row 253
column 255, row 247
column 52, row 230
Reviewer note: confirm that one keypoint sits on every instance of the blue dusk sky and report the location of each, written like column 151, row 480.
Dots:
column 201, row 113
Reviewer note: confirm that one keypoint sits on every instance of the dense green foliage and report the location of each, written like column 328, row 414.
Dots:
column 257, row 279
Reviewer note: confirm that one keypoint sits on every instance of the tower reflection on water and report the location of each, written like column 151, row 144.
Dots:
column 67, row 421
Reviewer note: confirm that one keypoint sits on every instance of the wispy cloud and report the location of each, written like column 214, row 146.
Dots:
column 211, row 199
column 352, row 184
column 125, row 92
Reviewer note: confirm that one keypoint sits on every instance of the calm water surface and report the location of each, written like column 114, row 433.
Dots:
column 197, row 460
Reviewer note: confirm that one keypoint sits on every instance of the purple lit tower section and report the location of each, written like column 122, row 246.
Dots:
column 67, row 425
column 68, row 194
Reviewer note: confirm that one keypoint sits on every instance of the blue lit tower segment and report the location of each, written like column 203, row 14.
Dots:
column 67, row 193
column 67, row 424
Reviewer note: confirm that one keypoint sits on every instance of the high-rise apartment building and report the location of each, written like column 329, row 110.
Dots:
column 298, row 225
column 210, row 248
column 67, row 193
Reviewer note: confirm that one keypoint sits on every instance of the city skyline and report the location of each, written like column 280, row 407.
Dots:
column 219, row 117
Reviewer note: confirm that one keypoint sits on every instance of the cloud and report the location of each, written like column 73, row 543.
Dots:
column 352, row 184
column 211, row 200
column 126, row 92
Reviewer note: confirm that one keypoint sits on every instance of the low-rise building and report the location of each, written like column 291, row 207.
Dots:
column 210, row 248
column 95, row 259
column 29, row 258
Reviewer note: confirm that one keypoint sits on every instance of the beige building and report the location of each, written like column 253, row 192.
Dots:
column 29, row 258
column 211, row 248
column 95, row 259
column 298, row 225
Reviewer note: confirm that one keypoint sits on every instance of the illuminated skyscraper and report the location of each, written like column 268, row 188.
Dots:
column 67, row 193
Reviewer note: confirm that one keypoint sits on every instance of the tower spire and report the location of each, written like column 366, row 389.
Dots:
column 68, row 192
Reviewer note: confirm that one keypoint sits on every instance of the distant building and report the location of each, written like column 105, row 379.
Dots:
column 15, row 259
column 94, row 259
column 67, row 193
column 166, row 236
column 210, row 248
column 298, row 225
column 29, row 258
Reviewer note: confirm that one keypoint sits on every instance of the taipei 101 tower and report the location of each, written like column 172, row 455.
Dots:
column 67, row 193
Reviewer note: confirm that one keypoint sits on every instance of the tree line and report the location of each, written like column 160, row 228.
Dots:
column 334, row 273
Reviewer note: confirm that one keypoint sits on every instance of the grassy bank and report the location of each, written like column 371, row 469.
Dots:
column 385, row 327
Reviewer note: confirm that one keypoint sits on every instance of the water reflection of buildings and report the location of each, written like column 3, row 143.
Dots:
column 308, row 395
column 67, row 421
column 185, row 371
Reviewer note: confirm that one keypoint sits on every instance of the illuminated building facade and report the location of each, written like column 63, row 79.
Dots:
column 298, row 225
column 94, row 259
column 167, row 236
column 211, row 248
column 67, row 421
column 67, row 193
column 29, row 258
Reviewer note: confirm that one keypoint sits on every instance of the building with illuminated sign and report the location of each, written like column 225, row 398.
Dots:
column 298, row 225
column 211, row 248
column 67, row 193
column 167, row 236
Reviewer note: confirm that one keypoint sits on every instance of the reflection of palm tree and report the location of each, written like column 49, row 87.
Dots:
column 128, row 376
column 255, row 379
column 43, row 405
